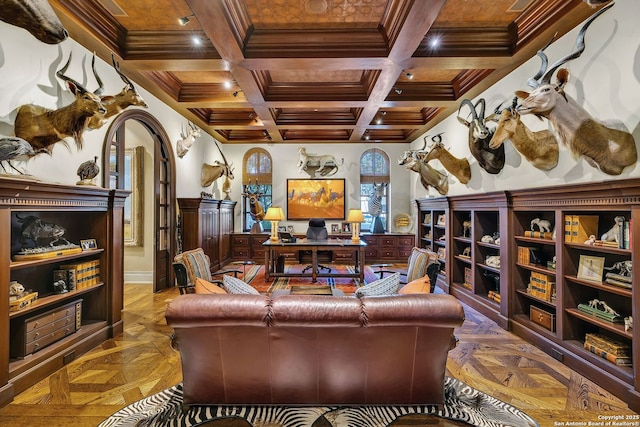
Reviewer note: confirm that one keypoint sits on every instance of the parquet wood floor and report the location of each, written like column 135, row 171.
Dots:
column 140, row 363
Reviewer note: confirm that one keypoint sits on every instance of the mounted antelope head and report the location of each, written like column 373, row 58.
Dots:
column 115, row 104
column 188, row 138
column 43, row 127
column 607, row 146
column 459, row 168
column 539, row 148
column 212, row 172
column 35, row 16
column 429, row 177
column 489, row 159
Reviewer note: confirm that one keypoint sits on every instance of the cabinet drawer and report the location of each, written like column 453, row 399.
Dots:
column 46, row 319
column 405, row 241
column 50, row 327
column 343, row 255
column 370, row 253
column 543, row 318
column 387, row 253
column 387, row 241
column 240, row 253
column 240, row 240
column 49, row 338
column 404, row 253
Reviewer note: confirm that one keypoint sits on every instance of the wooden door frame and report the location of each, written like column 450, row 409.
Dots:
column 159, row 135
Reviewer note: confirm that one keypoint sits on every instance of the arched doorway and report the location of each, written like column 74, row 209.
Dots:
column 124, row 155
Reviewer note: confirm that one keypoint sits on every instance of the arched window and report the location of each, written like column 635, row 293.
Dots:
column 256, row 179
column 374, row 169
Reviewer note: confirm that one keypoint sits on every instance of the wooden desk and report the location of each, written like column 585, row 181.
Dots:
column 314, row 246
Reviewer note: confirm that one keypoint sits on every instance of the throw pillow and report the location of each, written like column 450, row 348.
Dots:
column 418, row 286
column 197, row 263
column 418, row 262
column 237, row 286
column 386, row 286
column 204, row 287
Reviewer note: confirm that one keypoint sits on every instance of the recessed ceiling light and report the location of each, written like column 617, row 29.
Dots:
column 227, row 84
column 196, row 40
column 435, row 41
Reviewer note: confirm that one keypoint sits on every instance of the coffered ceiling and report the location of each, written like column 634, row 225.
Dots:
column 317, row 71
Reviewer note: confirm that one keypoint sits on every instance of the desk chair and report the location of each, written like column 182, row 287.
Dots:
column 317, row 230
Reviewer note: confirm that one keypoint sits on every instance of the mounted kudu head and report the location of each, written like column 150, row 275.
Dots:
column 459, row 168
column 35, row 16
column 607, row 146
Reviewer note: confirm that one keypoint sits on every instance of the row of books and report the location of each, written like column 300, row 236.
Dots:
column 609, row 349
column 494, row 296
column 539, row 234
column 80, row 275
column 542, row 286
column 618, row 280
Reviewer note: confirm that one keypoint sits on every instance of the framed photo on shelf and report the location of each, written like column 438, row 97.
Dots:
column 88, row 244
column 442, row 253
column 290, row 228
column 591, row 268
column 335, row 228
column 442, row 219
column 282, row 228
column 346, row 227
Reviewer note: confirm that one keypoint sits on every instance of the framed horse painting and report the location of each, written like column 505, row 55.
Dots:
column 315, row 198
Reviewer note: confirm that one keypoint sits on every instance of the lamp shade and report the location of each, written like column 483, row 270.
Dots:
column 274, row 213
column 355, row 215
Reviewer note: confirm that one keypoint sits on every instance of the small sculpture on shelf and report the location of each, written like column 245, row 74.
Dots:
column 87, row 172
column 493, row 261
column 601, row 310
column 15, row 289
column 613, row 234
column 60, row 287
column 38, row 231
column 542, row 225
column 628, row 323
column 466, row 228
column 466, row 252
column 591, row 240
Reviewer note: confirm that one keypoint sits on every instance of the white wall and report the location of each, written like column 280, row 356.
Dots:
column 605, row 80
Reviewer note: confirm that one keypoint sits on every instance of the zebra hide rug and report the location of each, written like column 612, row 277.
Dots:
column 462, row 403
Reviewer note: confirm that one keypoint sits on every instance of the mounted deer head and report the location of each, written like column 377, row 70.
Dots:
column 35, row 16
column 459, row 168
column 489, row 159
column 43, row 127
column 255, row 207
column 539, row 148
column 608, row 146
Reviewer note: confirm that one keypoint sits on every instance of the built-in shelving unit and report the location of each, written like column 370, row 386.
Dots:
column 546, row 280
column 72, row 322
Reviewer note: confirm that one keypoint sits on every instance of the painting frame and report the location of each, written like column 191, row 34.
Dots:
column 591, row 268
column 88, row 244
column 316, row 198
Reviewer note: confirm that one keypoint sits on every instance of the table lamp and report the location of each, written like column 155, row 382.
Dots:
column 274, row 214
column 355, row 217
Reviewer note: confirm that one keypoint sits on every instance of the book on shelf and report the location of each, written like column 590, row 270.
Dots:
column 618, row 360
column 578, row 228
column 539, row 234
column 609, row 345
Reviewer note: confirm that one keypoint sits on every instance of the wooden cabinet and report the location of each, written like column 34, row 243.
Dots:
column 391, row 247
column 48, row 333
column 546, row 281
column 207, row 224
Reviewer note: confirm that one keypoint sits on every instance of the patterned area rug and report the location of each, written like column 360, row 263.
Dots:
column 462, row 403
column 255, row 276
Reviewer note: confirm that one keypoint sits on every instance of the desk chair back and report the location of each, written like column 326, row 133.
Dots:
column 317, row 229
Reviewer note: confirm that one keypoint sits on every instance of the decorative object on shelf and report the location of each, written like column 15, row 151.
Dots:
column 490, row 159
column 255, row 208
column 429, row 177
column 15, row 149
column 608, row 146
column 15, row 288
column 591, row 268
column 614, row 234
column 628, row 323
column 355, row 217
column 38, row 232
column 60, row 287
column 543, row 225
column 459, row 168
column 442, row 254
column 346, row 227
column 87, row 172
column 493, row 261
column 316, row 198
column 493, row 277
column 540, row 148
column 188, row 137
column 601, row 310
column 205, row 195
column 466, row 228
column 591, row 240
column 579, row 228
column 402, row 223
column 374, row 204
column 88, row 244
column 609, row 349
column 487, row 239
column 467, row 278
column 22, row 300
column 312, row 164
column 427, row 218
column 335, row 228
column 466, row 252
column 442, row 220
column 543, row 318
column 37, row 17
column 274, row 214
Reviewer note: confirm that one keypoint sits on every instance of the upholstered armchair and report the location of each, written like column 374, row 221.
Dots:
column 196, row 264
column 421, row 263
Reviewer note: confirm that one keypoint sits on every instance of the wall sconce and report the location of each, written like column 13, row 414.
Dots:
column 274, row 214
column 185, row 20
column 355, row 217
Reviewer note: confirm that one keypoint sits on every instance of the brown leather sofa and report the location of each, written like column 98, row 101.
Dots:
column 314, row 350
